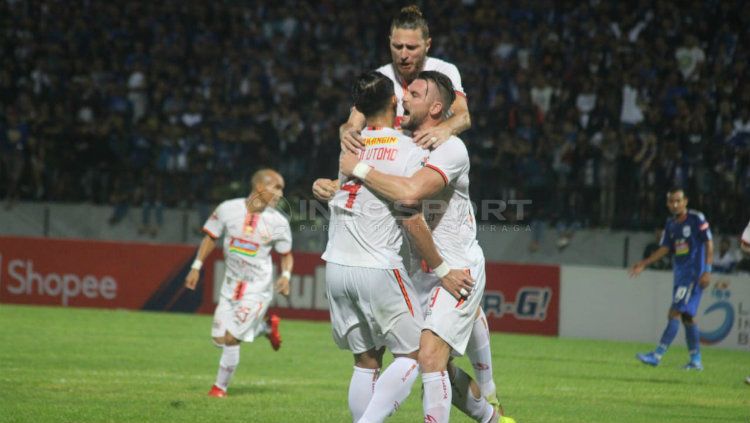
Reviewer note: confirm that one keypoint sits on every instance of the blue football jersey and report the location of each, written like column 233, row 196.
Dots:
column 686, row 241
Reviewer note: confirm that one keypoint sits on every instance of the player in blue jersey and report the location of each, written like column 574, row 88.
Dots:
column 688, row 238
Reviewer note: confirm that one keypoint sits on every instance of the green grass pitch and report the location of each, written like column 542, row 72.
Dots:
column 79, row 365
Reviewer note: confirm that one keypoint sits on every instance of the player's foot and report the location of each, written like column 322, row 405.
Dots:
column 274, row 336
column 693, row 365
column 495, row 403
column 217, row 392
column 498, row 414
column 648, row 358
column 747, row 380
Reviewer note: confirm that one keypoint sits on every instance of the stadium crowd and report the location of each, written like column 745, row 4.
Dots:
column 591, row 109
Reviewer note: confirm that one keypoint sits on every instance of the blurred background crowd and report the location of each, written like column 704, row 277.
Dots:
column 591, row 109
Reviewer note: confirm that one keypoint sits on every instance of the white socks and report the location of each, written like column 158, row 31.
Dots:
column 477, row 408
column 230, row 358
column 361, row 388
column 478, row 351
column 437, row 397
column 262, row 329
column 392, row 388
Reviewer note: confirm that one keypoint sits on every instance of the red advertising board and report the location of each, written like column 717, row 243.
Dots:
column 522, row 298
column 81, row 273
column 78, row 273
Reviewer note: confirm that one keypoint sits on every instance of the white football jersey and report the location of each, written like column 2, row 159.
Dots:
column 431, row 64
column 449, row 213
column 363, row 230
column 746, row 235
column 248, row 238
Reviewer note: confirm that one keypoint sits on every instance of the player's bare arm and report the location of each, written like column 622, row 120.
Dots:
column 207, row 245
column 705, row 279
column 459, row 122
column 287, row 264
column 457, row 281
column 407, row 190
column 350, row 132
column 654, row 257
column 324, row 189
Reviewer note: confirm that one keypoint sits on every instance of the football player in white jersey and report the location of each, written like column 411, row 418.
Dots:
column 371, row 298
column 410, row 42
column 444, row 180
column 251, row 227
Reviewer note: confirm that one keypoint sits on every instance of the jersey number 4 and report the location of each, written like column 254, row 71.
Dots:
column 352, row 188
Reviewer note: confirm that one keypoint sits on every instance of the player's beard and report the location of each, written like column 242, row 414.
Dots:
column 413, row 122
column 418, row 67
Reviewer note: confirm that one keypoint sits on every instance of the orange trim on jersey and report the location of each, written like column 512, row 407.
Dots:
column 374, row 128
column 403, row 291
column 437, row 169
column 239, row 290
column 251, row 222
column 434, row 297
column 425, row 266
column 460, row 302
column 209, row 233
column 462, row 94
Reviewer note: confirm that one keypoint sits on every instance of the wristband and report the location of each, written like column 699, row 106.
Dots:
column 286, row 274
column 197, row 264
column 441, row 270
column 708, row 268
column 361, row 170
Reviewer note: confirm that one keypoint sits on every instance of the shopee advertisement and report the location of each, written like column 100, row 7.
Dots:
column 85, row 273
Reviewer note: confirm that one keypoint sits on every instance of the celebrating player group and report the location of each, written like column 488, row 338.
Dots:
column 404, row 177
column 399, row 148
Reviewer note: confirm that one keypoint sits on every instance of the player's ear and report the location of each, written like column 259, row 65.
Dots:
column 428, row 44
column 437, row 108
column 394, row 100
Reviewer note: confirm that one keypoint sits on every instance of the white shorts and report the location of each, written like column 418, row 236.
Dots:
column 448, row 318
column 371, row 308
column 241, row 316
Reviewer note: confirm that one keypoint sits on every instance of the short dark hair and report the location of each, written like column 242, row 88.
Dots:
column 372, row 92
column 445, row 88
column 675, row 190
column 410, row 17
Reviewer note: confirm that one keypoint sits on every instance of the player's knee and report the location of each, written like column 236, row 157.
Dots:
column 230, row 340
column 369, row 359
column 687, row 319
column 429, row 361
column 218, row 341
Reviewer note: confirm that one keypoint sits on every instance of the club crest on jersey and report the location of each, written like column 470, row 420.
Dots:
column 686, row 231
column 243, row 247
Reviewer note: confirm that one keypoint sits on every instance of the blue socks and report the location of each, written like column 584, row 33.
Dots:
column 667, row 337
column 692, row 336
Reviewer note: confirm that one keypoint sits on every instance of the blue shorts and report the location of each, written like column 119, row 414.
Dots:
column 686, row 296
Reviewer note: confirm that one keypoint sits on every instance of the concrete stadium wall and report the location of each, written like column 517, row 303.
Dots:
column 501, row 242
column 602, row 303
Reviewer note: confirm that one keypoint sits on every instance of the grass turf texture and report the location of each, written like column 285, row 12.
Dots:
column 79, row 365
